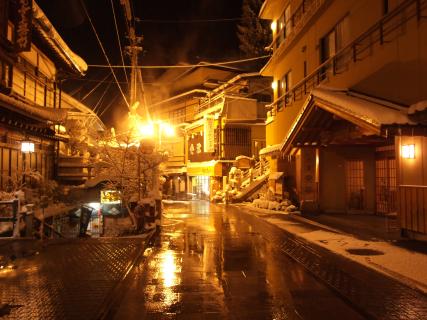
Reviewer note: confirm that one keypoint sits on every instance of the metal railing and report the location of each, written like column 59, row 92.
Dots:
column 303, row 13
column 357, row 50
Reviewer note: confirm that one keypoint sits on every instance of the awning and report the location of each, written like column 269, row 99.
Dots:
column 213, row 168
column 359, row 108
column 48, row 32
column 325, row 105
column 42, row 114
column 175, row 170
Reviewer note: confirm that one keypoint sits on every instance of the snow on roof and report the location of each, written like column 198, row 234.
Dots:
column 40, row 113
column 375, row 114
column 52, row 37
column 271, row 149
column 418, row 107
column 243, row 157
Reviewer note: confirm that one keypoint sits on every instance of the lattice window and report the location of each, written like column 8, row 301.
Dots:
column 355, row 184
column 386, row 185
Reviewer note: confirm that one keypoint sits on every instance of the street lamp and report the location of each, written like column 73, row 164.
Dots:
column 156, row 129
column 26, row 147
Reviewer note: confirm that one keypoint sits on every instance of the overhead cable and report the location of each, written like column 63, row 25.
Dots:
column 208, row 64
column 95, row 87
column 109, row 105
column 118, row 39
column 95, row 109
column 105, row 55
column 190, row 21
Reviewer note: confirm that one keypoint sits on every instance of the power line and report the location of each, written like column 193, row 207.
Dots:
column 182, row 66
column 121, row 82
column 190, row 21
column 118, row 39
column 109, row 105
column 105, row 54
column 95, row 87
column 101, row 98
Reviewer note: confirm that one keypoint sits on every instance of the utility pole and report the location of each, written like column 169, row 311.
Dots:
column 132, row 50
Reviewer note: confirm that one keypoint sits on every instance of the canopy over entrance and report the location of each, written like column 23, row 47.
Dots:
column 342, row 117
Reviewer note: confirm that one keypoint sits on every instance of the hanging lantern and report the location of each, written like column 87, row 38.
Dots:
column 27, row 146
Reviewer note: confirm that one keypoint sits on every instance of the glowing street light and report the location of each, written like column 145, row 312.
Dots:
column 167, row 129
column 27, row 146
column 146, row 130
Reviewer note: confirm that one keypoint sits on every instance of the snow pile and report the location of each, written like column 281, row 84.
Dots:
column 418, row 107
column 284, row 206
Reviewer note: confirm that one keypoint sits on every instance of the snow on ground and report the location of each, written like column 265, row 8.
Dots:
column 401, row 264
column 175, row 201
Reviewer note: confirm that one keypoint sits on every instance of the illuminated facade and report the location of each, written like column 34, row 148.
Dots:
column 33, row 58
column 217, row 120
column 350, row 78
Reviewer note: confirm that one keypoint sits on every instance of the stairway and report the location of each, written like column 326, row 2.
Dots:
column 253, row 181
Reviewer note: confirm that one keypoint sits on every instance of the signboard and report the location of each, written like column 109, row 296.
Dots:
column 308, row 168
column 110, row 196
column 196, row 151
column 23, row 25
column 209, row 134
column 210, row 169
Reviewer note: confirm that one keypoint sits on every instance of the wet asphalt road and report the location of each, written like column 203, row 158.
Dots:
column 212, row 262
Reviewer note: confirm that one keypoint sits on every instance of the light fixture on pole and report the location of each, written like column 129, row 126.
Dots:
column 27, row 147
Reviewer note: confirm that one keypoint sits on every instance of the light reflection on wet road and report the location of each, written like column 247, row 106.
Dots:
column 212, row 263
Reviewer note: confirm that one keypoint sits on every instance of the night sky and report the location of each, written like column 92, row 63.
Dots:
column 172, row 31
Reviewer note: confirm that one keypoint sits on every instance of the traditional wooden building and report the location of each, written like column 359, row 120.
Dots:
column 33, row 61
column 346, row 125
column 230, row 122
column 220, row 115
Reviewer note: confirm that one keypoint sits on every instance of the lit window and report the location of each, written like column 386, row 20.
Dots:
column 10, row 31
column 408, row 151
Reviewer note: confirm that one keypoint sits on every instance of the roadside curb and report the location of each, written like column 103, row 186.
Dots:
column 413, row 284
column 356, row 283
column 292, row 216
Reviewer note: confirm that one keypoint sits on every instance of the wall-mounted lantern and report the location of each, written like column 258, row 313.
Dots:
column 273, row 26
column 27, row 146
column 274, row 85
column 408, row 151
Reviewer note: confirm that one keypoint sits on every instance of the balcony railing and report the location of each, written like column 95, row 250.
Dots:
column 303, row 13
column 382, row 32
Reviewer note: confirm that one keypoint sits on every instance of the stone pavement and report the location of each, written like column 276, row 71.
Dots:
column 374, row 292
column 62, row 279
column 211, row 262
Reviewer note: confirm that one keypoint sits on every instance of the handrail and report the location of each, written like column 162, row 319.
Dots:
column 307, row 8
column 352, row 51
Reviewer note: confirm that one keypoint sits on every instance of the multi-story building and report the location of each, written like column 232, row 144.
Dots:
column 230, row 122
column 347, row 125
column 220, row 116
column 33, row 60
column 175, row 99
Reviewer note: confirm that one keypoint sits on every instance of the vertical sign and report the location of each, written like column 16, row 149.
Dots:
column 23, row 26
column 308, row 169
column 209, row 134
